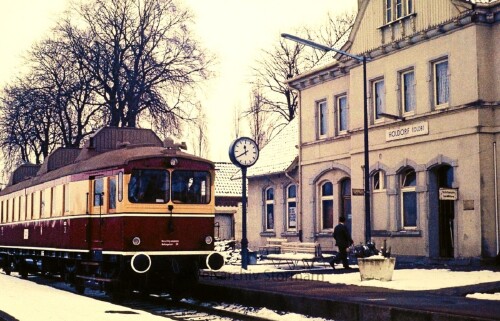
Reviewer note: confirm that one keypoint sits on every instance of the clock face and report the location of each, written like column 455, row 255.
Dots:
column 244, row 152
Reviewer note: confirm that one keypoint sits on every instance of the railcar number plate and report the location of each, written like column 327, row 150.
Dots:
column 169, row 242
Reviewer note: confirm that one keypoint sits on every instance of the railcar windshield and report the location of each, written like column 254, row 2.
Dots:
column 191, row 187
column 149, row 186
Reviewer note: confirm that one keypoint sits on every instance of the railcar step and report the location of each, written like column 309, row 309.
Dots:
column 89, row 263
column 95, row 278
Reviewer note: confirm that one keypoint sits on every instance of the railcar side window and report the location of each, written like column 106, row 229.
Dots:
column 112, row 193
column 98, row 190
column 191, row 187
column 149, row 186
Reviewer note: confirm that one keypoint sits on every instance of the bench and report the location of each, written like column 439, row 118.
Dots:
column 273, row 246
column 294, row 253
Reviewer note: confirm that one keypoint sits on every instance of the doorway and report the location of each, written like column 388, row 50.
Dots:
column 345, row 202
column 442, row 214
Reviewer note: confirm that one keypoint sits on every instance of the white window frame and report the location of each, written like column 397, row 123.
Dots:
column 322, row 119
column 408, row 189
column 339, row 122
column 378, row 104
column 266, row 213
column 397, row 9
column 289, row 200
column 388, row 11
column 435, row 83
column 403, row 90
column 326, row 198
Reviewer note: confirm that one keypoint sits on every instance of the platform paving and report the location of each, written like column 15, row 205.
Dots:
column 349, row 302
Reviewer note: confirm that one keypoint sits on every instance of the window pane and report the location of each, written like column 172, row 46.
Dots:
column 98, row 190
column 292, row 191
column 342, row 105
column 376, row 181
column 149, row 186
column 327, row 189
column 409, row 6
column 409, row 92
column 269, row 216
column 112, row 193
column 388, row 10
column 292, row 214
column 120, row 186
column 410, row 179
column 399, row 8
column 322, row 118
column 442, row 85
column 410, row 209
column 379, row 98
column 269, row 194
column 190, row 187
column 327, row 207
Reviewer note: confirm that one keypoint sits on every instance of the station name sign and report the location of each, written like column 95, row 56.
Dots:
column 403, row 132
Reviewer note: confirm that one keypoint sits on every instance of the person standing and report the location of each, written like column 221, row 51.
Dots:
column 343, row 240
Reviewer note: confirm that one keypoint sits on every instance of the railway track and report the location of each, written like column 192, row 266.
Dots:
column 162, row 305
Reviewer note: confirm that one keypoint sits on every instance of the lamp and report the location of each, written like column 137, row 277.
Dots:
column 366, row 168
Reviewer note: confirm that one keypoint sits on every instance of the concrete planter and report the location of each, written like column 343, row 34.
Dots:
column 376, row 268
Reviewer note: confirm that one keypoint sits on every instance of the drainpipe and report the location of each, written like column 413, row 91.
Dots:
column 496, row 195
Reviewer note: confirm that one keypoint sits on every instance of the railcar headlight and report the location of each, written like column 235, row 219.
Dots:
column 209, row 240
column 136, row 241
column 174, row 161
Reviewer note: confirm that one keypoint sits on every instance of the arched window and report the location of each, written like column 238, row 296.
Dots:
column 291, row 207
column 327, row 205
column 408, row 198
column 269, row 209
column 378, row 180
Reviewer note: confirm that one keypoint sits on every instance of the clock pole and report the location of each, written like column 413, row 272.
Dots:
column 244, row 240
column 244, row 152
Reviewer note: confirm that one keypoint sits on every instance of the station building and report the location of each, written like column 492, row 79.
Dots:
column 433, row 93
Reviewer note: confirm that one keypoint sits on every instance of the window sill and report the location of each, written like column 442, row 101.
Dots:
column 290, row 234
column 390, row 23
column 268, row 234
column 324, row 234
column 401, row 233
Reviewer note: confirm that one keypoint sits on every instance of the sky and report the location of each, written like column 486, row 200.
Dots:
column 236, row 31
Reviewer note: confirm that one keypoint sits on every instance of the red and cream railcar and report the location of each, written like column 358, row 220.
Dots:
column 126, row 211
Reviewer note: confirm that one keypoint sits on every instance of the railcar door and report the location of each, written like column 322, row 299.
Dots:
column 95, row 224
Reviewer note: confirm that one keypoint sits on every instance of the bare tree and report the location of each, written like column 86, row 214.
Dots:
column 261, row 124
column 198, row 134
column 141, row 56
column 236, row 121
column 288, row 59
column 28, row 132
column 69, row 91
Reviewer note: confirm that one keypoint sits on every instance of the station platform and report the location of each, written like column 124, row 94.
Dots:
column 279, row 291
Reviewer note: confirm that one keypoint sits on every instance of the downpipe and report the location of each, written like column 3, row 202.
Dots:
column 495, row 166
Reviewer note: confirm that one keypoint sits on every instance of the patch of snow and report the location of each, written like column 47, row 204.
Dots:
column 412, row 279
column 484, row 296
column 27, row 301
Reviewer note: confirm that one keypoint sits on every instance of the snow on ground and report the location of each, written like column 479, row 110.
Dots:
column 412, row 279
column 28, row 301
column 403, row 279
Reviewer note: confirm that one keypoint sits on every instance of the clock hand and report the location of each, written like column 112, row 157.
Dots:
column 244, row 153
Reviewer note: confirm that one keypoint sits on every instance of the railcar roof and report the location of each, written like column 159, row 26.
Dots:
column 110, row 159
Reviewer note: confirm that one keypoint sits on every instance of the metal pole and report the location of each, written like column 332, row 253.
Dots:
column 367, row 161
column 244, row 240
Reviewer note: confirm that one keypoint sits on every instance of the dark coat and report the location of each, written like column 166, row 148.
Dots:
column 342, row 236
